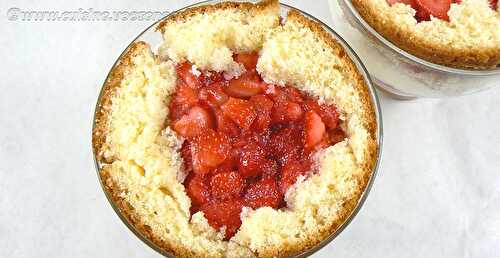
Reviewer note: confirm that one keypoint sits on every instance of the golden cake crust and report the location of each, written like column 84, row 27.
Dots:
column 113, row 81
column 102, row 116
column 117, row 192
column 207, row 9
column 452, row 44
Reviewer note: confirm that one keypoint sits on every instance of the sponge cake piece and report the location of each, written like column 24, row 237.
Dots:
column 208, row 35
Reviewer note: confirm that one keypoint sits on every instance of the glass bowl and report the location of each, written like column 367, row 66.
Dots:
column 153, row 38
column 400, row 73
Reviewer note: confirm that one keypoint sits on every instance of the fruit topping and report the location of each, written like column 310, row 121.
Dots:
column 246, row 141
column 194, row 123
column 225, row 213
column 264, row 192
column 314, row 130
column 240, row 111
column 226, row 185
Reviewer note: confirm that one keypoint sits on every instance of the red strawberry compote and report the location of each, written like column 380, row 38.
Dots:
column 246, row 141
column 437, row 8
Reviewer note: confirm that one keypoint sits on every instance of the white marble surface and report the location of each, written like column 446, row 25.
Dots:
column 437, row 193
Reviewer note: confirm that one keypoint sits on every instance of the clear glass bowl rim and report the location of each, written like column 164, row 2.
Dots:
column 379, row 134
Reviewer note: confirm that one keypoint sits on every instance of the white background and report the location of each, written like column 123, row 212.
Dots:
column 437, row 193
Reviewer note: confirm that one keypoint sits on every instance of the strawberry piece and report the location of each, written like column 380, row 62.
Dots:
column 422, row 14
column 197, row 189
column 194, row 123
column 277, row 94
column 293, row 94
column 247, row 85
column 225, row 125
column 290, row 172
column 263, row 107
column 226, row 185
column 249, row 60
column 285, row 144
column 245, row 134
column 328, row 113
column 224, row 213
column 213, row 94
column 186, row 95
column 240, row 111
column 230, row 164
column 182, row 101
column 270, row 169
column 212, row 77
column 286, row 111
column 209, row 150
column 494, row 4
column 262, row 103
column 251, row 158
column 314, row 130
column 437, row 8
column 336, row 135
column 185, row 74
column 262, row 193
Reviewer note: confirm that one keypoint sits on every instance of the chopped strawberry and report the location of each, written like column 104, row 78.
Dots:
column 290, row 172
column 197, row 189
column 262, row 193
column 494, row 4
column 213, row 94
column 270, row 169
column 230, row 164
column 293, row 94
column 263, row 107
column 184, row 71
column 249, row 60
column 328, row 113
column 336, row 135
column 226, row 185
column 277, row 94
column 225, row 125
column 247, row 85
column 251, row 158
column 182, row 101
column 209, row 150
column 262, row 103
column 194, row 123
column 314, row 130
column 422, row 14
column 224, row 213
column 240, row 111
column 286, row 111
column 213, row 77
column 285, row 144
column 437, row 8
column 246, row 142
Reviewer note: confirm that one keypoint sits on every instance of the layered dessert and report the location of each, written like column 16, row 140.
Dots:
column 245, row 136
column 456, row 33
